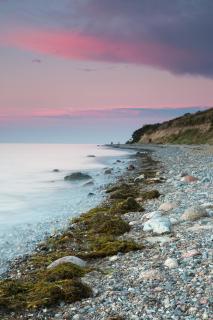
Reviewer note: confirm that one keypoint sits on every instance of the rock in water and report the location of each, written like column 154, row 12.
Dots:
column 68, row 259
column 194, row 213
column 89, row 183
column 189, row 179
column 108, row 171
column 167, row 206
column 77, row 176
column 131, row 167
column 171, row 263
column 158, row 225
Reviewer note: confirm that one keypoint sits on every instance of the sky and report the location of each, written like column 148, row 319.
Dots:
column 93, row 71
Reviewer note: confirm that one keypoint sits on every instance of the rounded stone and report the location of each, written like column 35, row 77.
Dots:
column 194, row 213
column 67, row 259
column 171, row 263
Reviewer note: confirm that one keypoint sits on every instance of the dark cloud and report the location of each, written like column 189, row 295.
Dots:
column 176, row 35
column 183, row 29
column 36, row 61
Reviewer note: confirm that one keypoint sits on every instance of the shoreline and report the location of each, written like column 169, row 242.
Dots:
column 149, row 254
column 51, row 201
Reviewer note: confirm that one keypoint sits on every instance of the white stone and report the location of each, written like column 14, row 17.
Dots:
column 151, row 215
column 167, row 206
column 158, row 225
column 140, row 178
column 194, row 213
column 113, row 258
column 171, row 263
column 68, row 259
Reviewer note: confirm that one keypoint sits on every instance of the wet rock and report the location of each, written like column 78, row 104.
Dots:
column 91, row 194
column 56, row 170
column 108, row 171
column 194, row 213
column 68, row 259
column 89, row 183
column 131, row 167
column 77, row 176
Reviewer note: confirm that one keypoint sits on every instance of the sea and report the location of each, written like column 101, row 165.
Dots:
column 36, row 201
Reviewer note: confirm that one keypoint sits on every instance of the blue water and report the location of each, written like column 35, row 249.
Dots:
column 36, row 202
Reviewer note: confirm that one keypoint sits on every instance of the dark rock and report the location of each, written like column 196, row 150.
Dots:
column 91, row 156
column 77, row 176
column 56, row 170
column 131, row 167
column 108, row 171
column 91, row 194
column 89, row 183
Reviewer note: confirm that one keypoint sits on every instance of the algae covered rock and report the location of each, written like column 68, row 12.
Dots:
column 68, row 259
column 148, row 195
column 112, row 225
column 75, row 176
column 109, row 246
column 13, row 294
column 128, row 205
column 64, row 271
column 122, row 192
column 51, row 293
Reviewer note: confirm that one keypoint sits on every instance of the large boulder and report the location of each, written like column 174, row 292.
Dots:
column 68, row 259
column 194, row 213
column 77, row 176
column 158, row 225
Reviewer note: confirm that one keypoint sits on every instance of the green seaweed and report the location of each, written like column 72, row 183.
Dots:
column 46, row 293
column 128, row 205
column 148, row 195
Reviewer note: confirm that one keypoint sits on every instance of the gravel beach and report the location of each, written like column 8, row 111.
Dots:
column 170, row 277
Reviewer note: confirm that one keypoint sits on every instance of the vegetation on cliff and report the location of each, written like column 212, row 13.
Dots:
column 194, row 128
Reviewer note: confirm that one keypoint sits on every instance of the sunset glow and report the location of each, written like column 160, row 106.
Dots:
column 79, row 60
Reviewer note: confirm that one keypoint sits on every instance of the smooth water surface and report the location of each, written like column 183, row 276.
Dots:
column 35, row 200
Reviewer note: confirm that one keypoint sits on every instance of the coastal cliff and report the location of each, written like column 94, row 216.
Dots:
column 194, row 128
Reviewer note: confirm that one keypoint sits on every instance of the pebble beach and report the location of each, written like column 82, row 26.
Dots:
column 170, row 276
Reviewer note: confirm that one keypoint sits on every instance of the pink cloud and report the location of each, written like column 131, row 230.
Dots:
column 78, row 46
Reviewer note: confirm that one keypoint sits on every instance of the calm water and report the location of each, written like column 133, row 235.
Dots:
column 35, row 201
